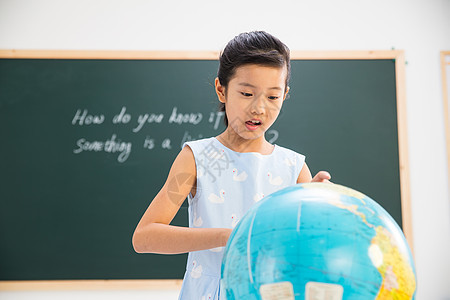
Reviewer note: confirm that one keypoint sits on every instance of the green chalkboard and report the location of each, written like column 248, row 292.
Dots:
column 87, row 143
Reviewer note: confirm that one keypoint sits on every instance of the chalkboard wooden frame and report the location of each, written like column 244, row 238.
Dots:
column 445, row 67
column 396, row 55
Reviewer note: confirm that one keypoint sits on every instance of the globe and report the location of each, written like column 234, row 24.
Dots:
column 317, row 241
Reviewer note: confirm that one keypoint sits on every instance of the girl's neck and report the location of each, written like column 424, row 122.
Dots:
column 239, row 144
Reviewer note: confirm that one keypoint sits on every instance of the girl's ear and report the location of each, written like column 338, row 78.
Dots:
column 220, row 91
column 286, row 93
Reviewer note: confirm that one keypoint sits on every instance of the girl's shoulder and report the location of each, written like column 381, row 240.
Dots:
column 283, row 151
column 289, row 159
column 200, row 141
column 200, row 144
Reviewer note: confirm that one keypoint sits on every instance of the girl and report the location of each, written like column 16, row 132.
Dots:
column 223, row 176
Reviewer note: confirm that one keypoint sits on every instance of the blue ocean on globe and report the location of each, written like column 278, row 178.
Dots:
column 317, row 241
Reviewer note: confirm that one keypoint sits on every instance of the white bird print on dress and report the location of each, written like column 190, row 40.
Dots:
column 234, row 220
column 196, row 270
column 274, row 181
column 217, row 199
column 197, row 221
column 240, row 177
column 258, row 197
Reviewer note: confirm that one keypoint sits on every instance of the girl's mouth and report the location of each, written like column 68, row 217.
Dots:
column 253, row 124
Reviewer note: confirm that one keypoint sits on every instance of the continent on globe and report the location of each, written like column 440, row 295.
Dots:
column 398, row 276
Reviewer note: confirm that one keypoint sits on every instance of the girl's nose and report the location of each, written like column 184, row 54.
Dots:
column 258, row 106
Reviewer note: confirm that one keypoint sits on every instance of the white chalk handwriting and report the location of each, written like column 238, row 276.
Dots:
column 143, row 122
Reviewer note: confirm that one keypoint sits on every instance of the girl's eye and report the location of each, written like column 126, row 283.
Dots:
column 246, row 94
column 273, row 97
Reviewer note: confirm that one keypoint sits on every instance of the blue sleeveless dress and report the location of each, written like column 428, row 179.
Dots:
column 228, row 184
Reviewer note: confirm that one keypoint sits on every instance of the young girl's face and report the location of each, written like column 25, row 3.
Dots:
column 253, row 99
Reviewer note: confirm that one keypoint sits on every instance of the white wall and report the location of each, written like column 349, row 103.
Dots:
column 420, row 27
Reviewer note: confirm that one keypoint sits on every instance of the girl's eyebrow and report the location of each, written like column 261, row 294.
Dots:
column 252, row 86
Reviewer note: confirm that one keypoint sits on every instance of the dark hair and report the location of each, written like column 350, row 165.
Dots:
column 256, row 47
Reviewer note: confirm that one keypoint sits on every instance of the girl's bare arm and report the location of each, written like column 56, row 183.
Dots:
column 153, row 234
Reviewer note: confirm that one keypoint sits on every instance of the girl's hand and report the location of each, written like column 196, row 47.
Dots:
column 322, row 176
